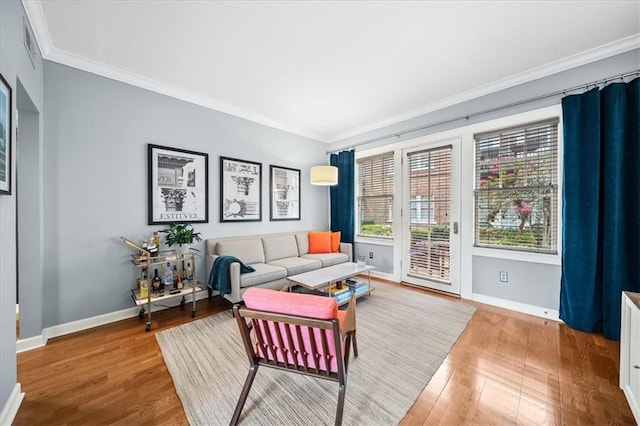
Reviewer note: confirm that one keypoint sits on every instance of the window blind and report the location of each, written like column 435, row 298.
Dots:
column 375, row 195
column 516, row 187
column 430, row 211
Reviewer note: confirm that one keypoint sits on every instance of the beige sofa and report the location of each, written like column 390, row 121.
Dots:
column 273, row 256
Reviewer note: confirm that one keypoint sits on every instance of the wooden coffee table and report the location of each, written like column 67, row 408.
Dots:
column 323, row 278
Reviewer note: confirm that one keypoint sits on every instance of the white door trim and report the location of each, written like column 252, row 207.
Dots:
column 455, row 216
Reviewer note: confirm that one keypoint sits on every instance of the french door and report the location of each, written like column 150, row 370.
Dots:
column 431, row 216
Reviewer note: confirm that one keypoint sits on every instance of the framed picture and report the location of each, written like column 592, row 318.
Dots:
column 5, row 136
column 178, row 190
column 285, row 194
column 240, row 190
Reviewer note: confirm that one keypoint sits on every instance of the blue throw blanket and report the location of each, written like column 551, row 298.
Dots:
column 220, row 278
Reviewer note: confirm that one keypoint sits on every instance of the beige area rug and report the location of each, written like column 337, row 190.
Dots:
column 403, row 337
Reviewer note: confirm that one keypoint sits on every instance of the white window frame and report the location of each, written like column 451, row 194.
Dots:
column 467, row 220
column 375, row 239
column 514, row 120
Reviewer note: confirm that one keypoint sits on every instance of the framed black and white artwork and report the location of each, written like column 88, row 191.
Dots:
column 177, row 181
column 285, row 193
column 240, row 190
column 5, row 137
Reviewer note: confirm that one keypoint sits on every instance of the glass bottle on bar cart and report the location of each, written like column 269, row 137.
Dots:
column 176, row 282
column 168, row 275
column 156, row 282
column 188, row 276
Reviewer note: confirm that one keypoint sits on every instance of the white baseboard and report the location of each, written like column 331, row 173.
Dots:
column 10, row 409
column 30, row 343
column 631, row 400
column 537, row 311
column 384, row 276
column 86, row 323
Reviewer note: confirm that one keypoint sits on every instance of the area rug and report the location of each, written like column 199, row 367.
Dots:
column 403, row 337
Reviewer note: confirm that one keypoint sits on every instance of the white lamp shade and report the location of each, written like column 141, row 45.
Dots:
column 324, row 175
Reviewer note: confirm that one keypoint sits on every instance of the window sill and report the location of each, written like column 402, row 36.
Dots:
column 522, row 256
column 374, row 241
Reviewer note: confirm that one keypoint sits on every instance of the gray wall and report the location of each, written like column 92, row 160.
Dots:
column 530, row 283
column 97, row 131
column 29, row 199
column 382, row 256
column 16, row 67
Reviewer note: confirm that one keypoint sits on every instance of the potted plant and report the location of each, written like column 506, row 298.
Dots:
column 181, row 235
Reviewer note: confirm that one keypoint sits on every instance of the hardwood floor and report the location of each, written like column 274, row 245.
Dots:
column 506, row 368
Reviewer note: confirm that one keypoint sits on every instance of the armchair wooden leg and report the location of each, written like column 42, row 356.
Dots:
column 350, row 322
column 340, row 409
column 245, row 393
column 355, row 344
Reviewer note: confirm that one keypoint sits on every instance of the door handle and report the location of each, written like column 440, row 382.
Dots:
column 455, row 228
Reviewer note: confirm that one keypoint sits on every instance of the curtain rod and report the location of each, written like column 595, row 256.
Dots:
column 397, row 135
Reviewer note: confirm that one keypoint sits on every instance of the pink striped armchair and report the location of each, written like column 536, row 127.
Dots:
column 299, row 333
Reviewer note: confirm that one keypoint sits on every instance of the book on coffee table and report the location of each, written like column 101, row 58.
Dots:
column 342, row 296
column 335, row 291
column 355, row 283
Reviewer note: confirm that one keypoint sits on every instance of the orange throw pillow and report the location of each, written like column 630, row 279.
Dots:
column 319, row 242
column 335, row 242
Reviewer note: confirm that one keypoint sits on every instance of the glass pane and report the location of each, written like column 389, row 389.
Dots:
column 430, row 196
column 515, row 218
column 375, row 196
column 516, row 188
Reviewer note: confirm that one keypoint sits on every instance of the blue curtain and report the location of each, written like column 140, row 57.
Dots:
column 342, row 196
column 601, row 206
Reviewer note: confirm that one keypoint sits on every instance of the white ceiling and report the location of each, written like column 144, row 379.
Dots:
column 330, row 69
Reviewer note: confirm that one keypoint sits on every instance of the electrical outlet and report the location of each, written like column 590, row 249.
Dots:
column 370, row 255
column 504, row 277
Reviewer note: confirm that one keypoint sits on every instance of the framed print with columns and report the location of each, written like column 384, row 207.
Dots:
column 177, row 181
column 285, row 193
column 240, row 190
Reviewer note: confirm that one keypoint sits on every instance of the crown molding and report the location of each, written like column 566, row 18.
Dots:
column 98, row 68
column 35, row 15
column 607, row 50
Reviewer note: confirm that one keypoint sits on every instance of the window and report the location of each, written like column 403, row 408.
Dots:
column 516, row 188
column 422, row 209
column 421, row 161
column 375, row 196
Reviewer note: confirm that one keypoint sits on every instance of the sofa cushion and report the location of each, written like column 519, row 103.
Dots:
column 249, row 251
column 279, row 247
column 320, row 242
column 328, row 259
column 297, row 265
column 264, row 273
column 335, row 242
column 302, row 238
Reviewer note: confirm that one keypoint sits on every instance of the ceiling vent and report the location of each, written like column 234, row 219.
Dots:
column 29, row 42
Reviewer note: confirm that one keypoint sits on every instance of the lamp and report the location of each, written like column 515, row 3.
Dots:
column 324, row 175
